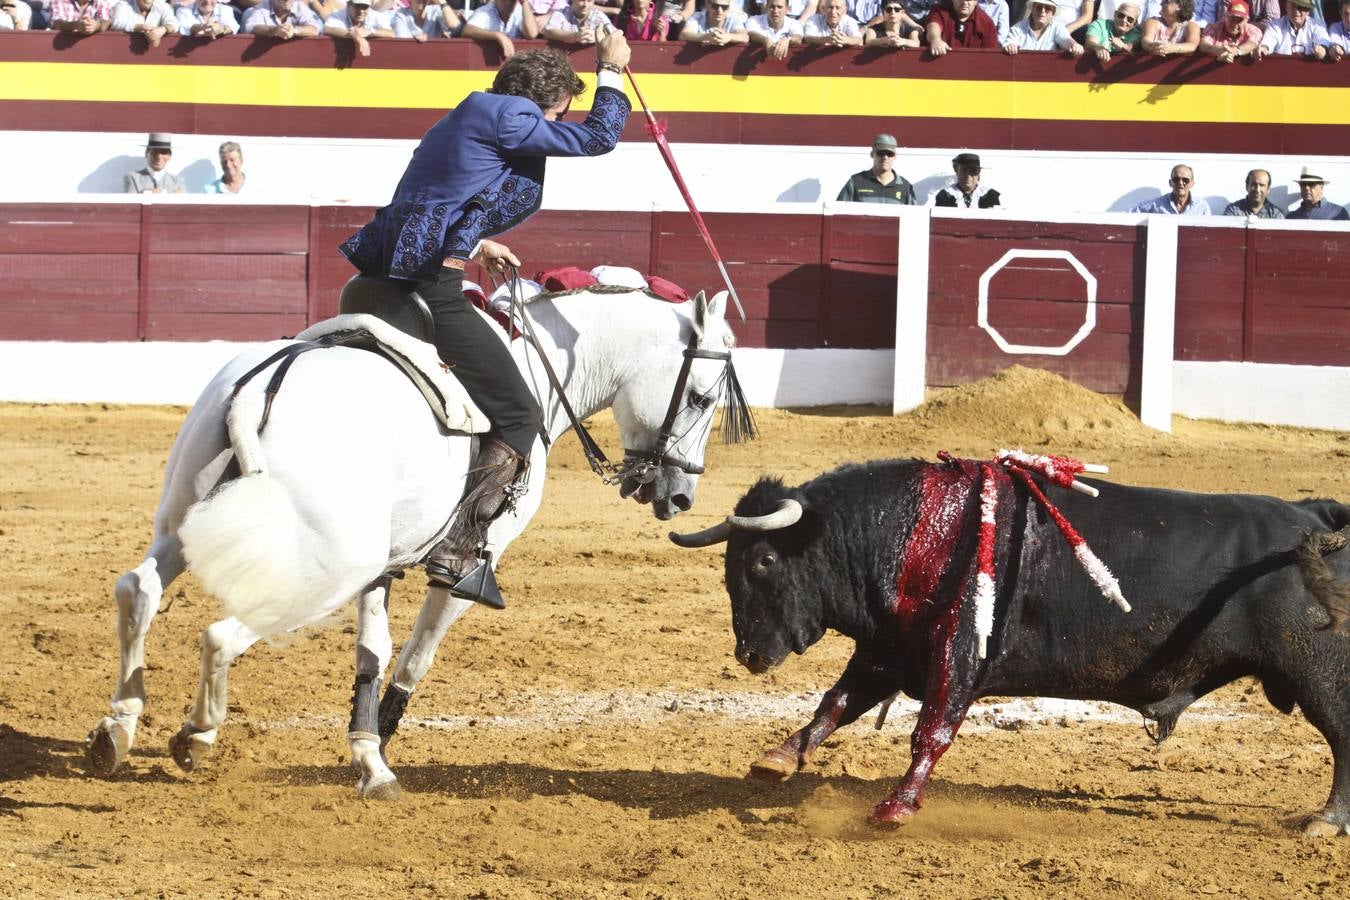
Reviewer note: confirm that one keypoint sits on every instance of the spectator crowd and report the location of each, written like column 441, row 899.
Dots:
column 880, row 183
column 1225, row 29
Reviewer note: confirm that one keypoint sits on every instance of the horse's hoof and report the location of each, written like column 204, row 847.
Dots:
column 891, row 813
column 189, row 747
column 101, row 750
column 383, row 790
column 1319, row 826
column 774, row 766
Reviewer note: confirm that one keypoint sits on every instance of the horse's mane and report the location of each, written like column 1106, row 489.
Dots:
column 595, row 289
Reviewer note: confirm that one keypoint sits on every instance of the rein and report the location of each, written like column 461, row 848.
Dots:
column 638, row 464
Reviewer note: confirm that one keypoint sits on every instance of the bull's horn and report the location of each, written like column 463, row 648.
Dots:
column 705, row 538
column 789, row 511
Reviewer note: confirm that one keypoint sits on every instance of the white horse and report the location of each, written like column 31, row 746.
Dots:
column 351, row 478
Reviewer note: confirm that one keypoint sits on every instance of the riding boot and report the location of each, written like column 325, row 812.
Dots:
column 460, row 562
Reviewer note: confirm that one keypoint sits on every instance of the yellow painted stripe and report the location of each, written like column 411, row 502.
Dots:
column 667, row 93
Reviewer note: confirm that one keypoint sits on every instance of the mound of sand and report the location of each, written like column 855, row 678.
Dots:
column 1032, row 406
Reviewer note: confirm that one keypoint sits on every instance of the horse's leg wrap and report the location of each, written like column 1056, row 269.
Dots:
column 391, row 712
column 496, row 482
column 365, row 708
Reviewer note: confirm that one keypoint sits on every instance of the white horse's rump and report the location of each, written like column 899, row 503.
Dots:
column 352, row 477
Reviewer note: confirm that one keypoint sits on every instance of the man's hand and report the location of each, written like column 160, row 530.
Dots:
column 1075, row 49
column 938, row 47
column 496, row 257
column 778, row 49
column 586, row 36
column 614, row 49
column 1103, row 55
column 1010, row 49
column 508, row 48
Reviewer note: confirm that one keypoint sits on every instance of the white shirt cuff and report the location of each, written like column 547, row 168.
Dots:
column 606, row 78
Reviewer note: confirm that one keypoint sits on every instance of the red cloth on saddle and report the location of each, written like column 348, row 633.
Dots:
column 666, row 289
column 564, row 278
column 478, row 299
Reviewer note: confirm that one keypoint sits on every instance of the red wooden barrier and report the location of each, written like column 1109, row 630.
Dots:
column 121, row 272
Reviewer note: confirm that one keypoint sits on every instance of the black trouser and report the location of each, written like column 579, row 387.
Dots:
column 480, row 361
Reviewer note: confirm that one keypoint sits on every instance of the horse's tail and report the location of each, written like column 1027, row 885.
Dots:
column 248, row 542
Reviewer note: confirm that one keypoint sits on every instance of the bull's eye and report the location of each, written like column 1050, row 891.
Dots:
column 764, row 562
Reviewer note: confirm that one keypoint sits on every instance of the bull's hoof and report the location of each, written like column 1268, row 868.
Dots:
column 107, row 746
column 1320, row 825
column 188, row 748
column 892, row 813
column 774, row 766
column 380, row 789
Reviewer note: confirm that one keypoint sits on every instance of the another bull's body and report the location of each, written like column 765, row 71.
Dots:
column 1217, row 594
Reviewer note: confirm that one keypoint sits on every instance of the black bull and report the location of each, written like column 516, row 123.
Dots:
column 1219, row 583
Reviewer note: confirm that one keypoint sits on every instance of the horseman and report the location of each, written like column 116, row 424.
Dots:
column 478, row 172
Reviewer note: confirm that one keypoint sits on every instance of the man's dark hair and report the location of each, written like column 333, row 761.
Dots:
column 544, row 76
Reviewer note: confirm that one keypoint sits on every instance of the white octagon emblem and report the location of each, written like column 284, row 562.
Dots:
column 1089, row 316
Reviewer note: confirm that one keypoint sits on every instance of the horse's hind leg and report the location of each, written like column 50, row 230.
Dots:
column 222, row 643
column 439, row 611
column 373, row 649
column 138, row 593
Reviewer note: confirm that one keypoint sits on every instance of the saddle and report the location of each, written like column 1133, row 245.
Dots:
column 378, row 316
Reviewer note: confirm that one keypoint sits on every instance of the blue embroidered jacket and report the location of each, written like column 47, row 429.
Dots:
column 478, row 172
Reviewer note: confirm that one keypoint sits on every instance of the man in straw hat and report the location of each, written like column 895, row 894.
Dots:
column 155, row 178
column 1296, row 33
column 1311, row 185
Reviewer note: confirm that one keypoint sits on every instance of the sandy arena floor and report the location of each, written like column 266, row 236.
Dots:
column 591, row 740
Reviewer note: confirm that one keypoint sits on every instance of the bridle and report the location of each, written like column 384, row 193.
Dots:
column 642, row 465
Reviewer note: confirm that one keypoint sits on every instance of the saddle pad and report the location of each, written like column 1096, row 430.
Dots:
column 417, row 359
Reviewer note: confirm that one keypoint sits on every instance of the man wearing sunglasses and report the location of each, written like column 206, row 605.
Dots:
column 1178, row 201
column 879, row 184
column 896, row 29
column 715, row 25
column 1120, row 35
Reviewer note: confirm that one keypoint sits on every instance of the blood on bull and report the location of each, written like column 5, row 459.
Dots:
column 1222, row 586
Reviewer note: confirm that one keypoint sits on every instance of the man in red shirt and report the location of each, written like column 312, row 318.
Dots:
column 959, row 23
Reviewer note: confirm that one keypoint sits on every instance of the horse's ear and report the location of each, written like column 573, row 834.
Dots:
column 705, row 310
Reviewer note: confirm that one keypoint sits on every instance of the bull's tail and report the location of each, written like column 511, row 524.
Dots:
column 1321, row 582
column 248, row 542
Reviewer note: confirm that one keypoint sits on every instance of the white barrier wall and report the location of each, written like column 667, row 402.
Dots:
column 722, row 177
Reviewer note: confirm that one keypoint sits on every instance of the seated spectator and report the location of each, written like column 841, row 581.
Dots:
column 1179, row 201
column 152, row 18
column 1076, row 15
column 965, row 189
column 282, row 19
column 424, row 19
column 1256, row 204
column 1296, row 33
column 1041, row 31
column 642, row 20
column 1232, row 37
column 1338, row 35
column 501, row 22
column 155, row 178
column 959, row 24
column 89, row 17
column 1311, row 187
column 580, row 23
column 15, row 15
column 774, row 30
column 832, row 26
column 716, row 25
column 1120, row 35
column 879, row 184
column 207, row 19
column 997, row 11
column 231, row 180
column 359, row 23
column 896, row 29
column 1173, row 32
column 1259, row 12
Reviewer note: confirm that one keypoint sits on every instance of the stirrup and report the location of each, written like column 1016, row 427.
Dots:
column 479, row 585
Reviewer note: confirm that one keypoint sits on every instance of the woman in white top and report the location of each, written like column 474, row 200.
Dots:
column 1174, row 32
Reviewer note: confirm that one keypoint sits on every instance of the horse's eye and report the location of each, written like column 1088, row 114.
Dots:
column 764, row 562
column 699, row 401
